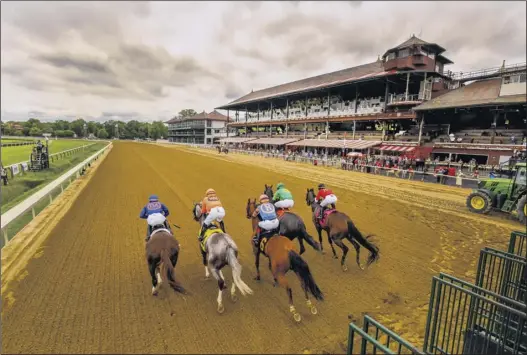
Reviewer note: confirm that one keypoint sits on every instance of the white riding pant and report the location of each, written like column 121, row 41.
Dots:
column 155, row 219
column 284, row 204
column 216, row 213
column 329, row 200
column 270, row 224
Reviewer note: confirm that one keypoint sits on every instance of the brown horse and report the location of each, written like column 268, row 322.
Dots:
column 162, row 252
column 283, row 257
column 339, row 226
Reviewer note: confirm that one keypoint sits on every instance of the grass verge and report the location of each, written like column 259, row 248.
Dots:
column 23, row 186
column 17, row 154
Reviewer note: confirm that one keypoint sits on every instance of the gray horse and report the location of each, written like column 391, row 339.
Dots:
column 218, row 251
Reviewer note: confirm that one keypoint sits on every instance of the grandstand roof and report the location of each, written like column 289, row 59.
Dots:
column 214, row 116
column 414, row 41
column 272, row 141
column 317, row 82
column 479, row 93
column 236, row 139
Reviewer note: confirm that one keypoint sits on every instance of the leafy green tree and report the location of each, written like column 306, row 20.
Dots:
column 102, row 134
column 188, row 112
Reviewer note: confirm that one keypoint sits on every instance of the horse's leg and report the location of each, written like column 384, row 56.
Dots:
column 282, row 281
column 357, row 249
column 204, row 257
column 309, row 304
column 319, row 231
column 257, row 262
column 152, row 266
column 221, row 286
column 274, row 278
column 338, row 240
column 330, row 241
column 301, row 243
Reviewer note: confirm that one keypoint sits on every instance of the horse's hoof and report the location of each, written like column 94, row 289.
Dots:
column 344, row 268
column 323, row 252
column 257, row 278
column 154, row 291
column 361, row 267
column 335, row 257
column 221, row 309
column 297, row 317
column 234, row 298
column 314, row 310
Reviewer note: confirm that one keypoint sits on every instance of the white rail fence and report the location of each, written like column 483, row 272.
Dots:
column 23, row 166
column 46, row 192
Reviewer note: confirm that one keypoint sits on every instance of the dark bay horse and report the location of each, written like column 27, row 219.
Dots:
column 339, row 226
column 162, row 252
column 219, row 250
column 222, row 150
column 292, row 226
column 282, row 258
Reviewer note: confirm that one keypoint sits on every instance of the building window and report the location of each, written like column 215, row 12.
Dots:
column 208, row 131
column 404, row 53
column 209, row 123
column 390, row 56
column 217, row 131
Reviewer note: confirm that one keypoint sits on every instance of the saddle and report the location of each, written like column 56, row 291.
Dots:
column 281, row 211
column 263, row 238
column 322, row 221
column 213, row 229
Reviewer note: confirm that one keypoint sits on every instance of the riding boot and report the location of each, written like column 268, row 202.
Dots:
column 222, row 225
column 148, row 232
column 256, row 238
column 321, row 213
column 202, row 232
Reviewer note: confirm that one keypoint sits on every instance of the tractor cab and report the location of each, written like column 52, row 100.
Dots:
column 503, row 194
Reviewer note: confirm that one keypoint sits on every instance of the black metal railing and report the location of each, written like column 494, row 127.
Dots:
column 518, row 244
column 502, row 273
column 466, row 319
column 377, row 339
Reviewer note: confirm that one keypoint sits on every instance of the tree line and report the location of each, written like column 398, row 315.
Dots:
column 83, row 129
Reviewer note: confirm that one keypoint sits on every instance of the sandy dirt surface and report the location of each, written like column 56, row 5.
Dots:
column 87, row 290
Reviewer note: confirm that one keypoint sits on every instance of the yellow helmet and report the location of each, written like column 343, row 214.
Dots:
column 210, row 192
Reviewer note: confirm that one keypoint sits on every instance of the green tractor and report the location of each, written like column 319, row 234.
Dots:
column 503, row 194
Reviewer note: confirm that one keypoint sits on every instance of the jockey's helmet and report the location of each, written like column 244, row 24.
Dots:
column 153, row 198
column 210, row 192
column 280, row 185
column 321, row 186
column 264, row 198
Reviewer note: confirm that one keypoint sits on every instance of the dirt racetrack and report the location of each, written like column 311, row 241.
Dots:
column 88, row 289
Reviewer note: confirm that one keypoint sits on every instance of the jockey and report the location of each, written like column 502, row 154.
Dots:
column 211, row 206
column 266, row 213
column 325, row 197
column 283, row 198
column 153, row 207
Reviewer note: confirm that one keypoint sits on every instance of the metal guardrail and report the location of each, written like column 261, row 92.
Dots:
column 518, row 244
column 466, row 319
column 29, row 203
column 502, row 273
column 383, row 340
column 488, row 71
column 52, row 157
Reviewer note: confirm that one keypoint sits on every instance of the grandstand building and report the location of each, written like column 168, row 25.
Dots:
column 203, row 128
column 405, row 101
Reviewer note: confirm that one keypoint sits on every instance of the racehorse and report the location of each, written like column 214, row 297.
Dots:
column 282, row 258
column 162, row 251
column 292, row 226
column 222, row 149
column 218, row 250
column 339, row 226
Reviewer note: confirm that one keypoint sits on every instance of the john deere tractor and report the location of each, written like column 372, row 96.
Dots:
column 507, row 195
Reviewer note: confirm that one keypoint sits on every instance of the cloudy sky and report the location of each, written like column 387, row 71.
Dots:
column 149, row 60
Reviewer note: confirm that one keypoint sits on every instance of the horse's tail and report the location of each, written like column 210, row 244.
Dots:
column 300, row 267
column 168, row 269
column 309, row 239
column 232, row 260
column 353, row 232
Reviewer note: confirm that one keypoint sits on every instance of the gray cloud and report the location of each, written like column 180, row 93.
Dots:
column 139, row 60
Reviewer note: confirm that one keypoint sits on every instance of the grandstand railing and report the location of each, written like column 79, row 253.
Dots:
column 502, row 273
column 518, row 244
column 383, row 340
column 467, row 319
column 472, row 75
column 46, row 193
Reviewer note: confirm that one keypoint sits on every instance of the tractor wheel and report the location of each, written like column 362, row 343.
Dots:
column 522, row 209
column 479, row 202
